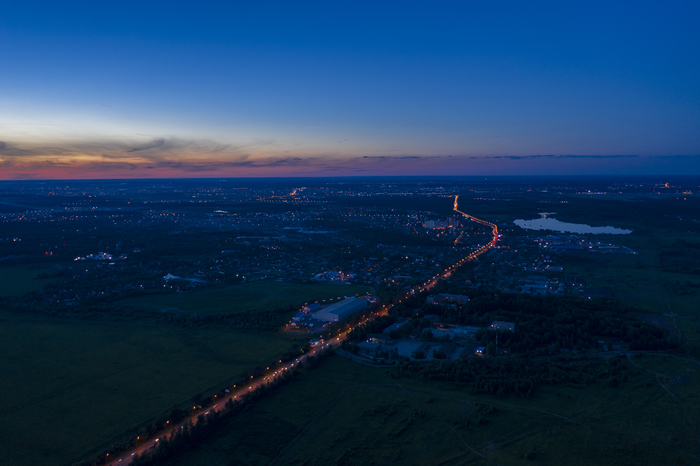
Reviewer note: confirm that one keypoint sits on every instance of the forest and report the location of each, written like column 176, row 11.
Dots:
column 518, row 376
column 544, row 325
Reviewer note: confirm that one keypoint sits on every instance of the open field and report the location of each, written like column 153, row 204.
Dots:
column 244, row 297
column 345, row 413
column 69, row 387
column 640, row 279
column 16, row 280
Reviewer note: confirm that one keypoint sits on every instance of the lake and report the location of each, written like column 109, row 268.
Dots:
column 549, row 223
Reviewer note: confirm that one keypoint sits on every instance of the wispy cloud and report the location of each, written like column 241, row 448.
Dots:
column 391, row 157
column 153, row 147
column 10, row 150
column 171, row 156
column 179, row 157
column 550, row 156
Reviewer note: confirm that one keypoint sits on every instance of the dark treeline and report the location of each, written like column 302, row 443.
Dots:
column 377, row 325
column 517, row 376
column 680, row 257
column 558, row 322
column 268, row 319
column 542, row 323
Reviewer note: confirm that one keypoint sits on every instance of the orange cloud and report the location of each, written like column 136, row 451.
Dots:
column 181, row 158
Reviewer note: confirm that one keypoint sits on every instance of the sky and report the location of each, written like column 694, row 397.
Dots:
column 253, row 89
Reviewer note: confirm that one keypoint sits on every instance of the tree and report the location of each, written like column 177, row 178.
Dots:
column 491, row 349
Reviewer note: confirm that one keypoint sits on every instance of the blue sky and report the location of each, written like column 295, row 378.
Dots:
column 339, row 88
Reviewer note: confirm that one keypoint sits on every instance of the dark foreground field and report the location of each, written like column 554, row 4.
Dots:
column 346, row 413
column 68, row 388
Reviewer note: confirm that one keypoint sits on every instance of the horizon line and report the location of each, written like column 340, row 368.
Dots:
column 208, row 178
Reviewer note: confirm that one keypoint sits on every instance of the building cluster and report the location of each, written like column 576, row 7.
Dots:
column 577, row 243
column 451, row 222
column 448, row 340
column 520, row 265
column 100, row 256
column 333, row 276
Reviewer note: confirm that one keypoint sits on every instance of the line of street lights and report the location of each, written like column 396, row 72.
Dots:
column 426, row 285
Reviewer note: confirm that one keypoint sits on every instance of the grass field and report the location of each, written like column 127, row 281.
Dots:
column 16, row 280
column 69, row 387
column 244, row 297
column 345, row 413
column 636, row 279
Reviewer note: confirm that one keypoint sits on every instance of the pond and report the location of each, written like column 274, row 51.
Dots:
column 549, row 223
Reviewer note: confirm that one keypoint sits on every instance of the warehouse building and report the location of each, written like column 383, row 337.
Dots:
column 340, row 310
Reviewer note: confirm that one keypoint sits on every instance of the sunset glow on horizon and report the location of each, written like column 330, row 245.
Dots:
column 348, row 90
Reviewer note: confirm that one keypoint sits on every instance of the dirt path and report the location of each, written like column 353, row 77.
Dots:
column 659, row 378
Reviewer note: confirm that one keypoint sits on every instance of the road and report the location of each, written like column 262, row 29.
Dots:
column 126, row 457
column 236, row 392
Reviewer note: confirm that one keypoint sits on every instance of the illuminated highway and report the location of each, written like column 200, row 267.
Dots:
column 272, row 374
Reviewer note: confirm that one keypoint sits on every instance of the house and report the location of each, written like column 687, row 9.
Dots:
column 446, row 297
column 441, row 333
column 311, row 307
column 467, row 331
column 378, row 338
column 500, row 325
column 369, row 349
column 396, row 326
